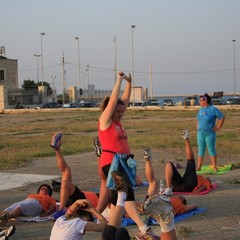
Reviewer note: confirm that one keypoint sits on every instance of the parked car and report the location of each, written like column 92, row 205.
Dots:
column 168, row 102
column 70, row 105
column 233, row 101
column 217, row 101
column 153, row 102
column 139, row 104
column 50, row 105
column 87, row 104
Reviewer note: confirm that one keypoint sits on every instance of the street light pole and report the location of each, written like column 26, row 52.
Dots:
column 63, row 80
column 151, row 84
column 115, row 60
column 42, row 34
column 37, row 56
column 53, row 88
column 79, row 72
column 133, row 78
column 234, row 67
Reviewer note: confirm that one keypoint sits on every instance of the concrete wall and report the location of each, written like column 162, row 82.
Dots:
column 3, row 98
column 138, row 94
column 73, row 94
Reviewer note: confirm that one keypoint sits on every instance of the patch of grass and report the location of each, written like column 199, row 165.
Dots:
column 26, row 136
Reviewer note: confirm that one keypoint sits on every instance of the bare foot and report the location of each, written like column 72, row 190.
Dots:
column 214, row 168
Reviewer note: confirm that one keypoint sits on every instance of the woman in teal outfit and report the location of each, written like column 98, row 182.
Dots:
column 206, row 130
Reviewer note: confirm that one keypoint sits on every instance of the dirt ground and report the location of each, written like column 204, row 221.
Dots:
column 220, row 220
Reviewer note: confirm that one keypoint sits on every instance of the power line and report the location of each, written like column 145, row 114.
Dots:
column 102, row 69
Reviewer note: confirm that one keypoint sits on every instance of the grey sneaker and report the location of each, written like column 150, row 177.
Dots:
column 149, row 235
column 185, row 134
column 159, row 208
column 120, row 182
column 147, row 154
column 56, row 141
column 97, row 147
column 4, row 219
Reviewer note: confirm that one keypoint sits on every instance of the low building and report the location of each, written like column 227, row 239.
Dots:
column 8, row 77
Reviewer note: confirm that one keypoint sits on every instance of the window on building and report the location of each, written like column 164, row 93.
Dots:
column 2, row 75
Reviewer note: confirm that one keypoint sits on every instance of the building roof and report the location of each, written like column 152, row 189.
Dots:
column 2, row 57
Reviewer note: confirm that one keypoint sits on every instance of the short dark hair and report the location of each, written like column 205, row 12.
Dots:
column 45, row 185
column 85, row 215
column 105, row 101
column 184, row 200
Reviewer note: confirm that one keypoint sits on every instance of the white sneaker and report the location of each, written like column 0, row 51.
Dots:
column 185, row 134
column 8, row 232
column 167, row 191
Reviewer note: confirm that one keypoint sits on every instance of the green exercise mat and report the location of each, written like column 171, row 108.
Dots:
column 209, row 169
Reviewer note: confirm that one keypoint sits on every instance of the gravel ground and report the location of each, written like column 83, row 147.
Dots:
column 219, row 221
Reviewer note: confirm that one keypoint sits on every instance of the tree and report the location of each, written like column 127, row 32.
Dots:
column 29, row 85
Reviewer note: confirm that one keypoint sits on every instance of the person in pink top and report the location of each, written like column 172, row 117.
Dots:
column 113, row 139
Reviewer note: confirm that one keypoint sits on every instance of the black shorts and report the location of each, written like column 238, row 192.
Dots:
column 188, row 181
column 77, row 194
column 130, row 196
column 112, row 233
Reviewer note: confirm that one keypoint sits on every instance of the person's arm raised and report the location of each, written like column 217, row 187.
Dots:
column 127, row 92
column 96, row 227
column 106, row 116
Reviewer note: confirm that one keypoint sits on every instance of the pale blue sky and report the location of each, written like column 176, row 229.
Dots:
column 187, row 42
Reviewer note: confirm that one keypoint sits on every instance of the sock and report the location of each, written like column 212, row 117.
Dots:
column 143, row 229
column 167, row 228
column 121, row 199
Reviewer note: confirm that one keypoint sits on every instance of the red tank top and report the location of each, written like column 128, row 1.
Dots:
column 113, row 139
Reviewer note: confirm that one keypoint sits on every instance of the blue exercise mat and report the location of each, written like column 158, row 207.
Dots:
column 151, row 221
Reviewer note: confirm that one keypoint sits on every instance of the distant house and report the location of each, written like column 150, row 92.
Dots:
column 10, row 94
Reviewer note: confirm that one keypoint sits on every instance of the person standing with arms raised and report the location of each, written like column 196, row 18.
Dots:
column 113, row 139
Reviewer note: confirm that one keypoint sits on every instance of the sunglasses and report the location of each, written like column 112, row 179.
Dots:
column 204, row 98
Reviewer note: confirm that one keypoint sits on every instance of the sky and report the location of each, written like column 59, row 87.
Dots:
column 182, row 46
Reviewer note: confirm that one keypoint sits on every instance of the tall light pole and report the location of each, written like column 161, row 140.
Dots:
column 234, row 67
column 63, row 79
column 115, row 59
column 42, row 34
column 79, row 72
column 37, row 56
column 133, row 84
column 151, row 84
column 53, row 87
column 87, row 70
